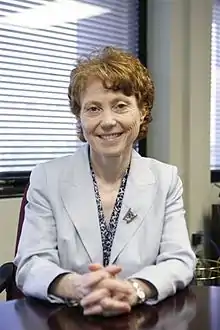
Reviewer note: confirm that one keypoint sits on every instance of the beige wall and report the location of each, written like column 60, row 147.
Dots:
column 9, row 210
column 179, row 38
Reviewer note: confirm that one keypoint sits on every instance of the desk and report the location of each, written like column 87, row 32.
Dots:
column 196, row 308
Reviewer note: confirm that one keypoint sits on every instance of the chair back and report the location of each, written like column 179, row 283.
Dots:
column 21, row 217
column 12, row 292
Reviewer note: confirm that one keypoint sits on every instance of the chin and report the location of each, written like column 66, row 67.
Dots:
column 112, row 152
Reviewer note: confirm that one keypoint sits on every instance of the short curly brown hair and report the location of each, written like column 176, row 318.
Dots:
column 119, row 71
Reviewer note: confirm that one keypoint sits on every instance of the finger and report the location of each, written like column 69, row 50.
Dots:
column 93, row 310
column 112, row 269
column 93, row 278
column 119, row 296
column 94, row 267
column 94, row 297
column 116, row 285
column 109, row 304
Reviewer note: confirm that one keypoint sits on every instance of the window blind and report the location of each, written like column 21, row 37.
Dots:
column 40, row 42
column 215, row 88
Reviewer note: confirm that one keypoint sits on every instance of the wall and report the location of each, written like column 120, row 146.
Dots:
column 9, row 210
column 179, row 39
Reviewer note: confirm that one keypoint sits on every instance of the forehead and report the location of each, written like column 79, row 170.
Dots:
column 95, row 90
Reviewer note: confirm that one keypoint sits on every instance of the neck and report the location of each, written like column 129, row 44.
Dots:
column 110, row 169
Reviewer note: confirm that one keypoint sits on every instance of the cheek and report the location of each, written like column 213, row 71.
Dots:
column 87, row 125
column 133, row 123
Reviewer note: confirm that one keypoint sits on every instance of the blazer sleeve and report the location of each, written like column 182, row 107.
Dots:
column 175, row 263
column 37, row 259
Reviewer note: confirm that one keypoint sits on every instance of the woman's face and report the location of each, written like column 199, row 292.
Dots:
column 110, row 120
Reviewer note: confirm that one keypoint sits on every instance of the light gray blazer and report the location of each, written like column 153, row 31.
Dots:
column 61, row 228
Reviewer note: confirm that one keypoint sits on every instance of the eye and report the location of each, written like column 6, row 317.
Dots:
column 121, row 105
column 93, row 108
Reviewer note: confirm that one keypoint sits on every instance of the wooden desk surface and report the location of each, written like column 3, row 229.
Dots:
column 197, row 308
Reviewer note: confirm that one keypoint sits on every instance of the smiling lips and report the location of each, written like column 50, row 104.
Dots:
column 110, row 137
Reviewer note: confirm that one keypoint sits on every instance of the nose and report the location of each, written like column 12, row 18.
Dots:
column 108, row 120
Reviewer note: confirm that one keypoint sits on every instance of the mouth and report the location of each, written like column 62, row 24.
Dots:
column 110, row 137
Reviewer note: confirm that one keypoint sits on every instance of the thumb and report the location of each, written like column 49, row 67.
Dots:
column 94, row 267
column 111, row 269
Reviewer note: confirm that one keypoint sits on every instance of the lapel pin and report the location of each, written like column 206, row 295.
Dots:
column 129, row 216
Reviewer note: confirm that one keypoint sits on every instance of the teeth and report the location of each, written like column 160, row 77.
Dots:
column 109, row 136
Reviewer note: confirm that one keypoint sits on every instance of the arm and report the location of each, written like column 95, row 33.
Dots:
column 38, row 266
column 176, row 261
column 37, row 259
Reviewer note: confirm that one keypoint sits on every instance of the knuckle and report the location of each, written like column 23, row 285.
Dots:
column 105, row 303
column 105, row 292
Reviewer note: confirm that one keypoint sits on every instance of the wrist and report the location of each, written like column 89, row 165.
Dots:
column 73, row 287
column 139, row 294
column 65, row 286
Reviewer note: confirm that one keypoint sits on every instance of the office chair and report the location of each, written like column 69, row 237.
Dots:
column 8, row 270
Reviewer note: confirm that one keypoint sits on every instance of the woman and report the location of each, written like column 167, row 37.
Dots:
column 105, row 227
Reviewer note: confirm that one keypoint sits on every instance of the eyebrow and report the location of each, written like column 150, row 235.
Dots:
column 121, row 98
column 115, row 100
column 92, row 102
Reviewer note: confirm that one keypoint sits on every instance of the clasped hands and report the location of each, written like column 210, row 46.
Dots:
column 100, row 292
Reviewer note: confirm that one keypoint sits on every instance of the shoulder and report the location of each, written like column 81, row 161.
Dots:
column 159, row 171
column 148, row 170
column 158, row 168
column 59, row 167
column 164, row 175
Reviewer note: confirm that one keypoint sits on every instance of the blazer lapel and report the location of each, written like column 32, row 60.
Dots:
column 77, row 194
column 139, row 196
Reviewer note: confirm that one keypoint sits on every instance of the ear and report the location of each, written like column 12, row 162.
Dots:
column 142, row 115
column 80, row 130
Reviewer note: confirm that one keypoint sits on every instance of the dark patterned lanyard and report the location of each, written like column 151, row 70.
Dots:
column 108, row 232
